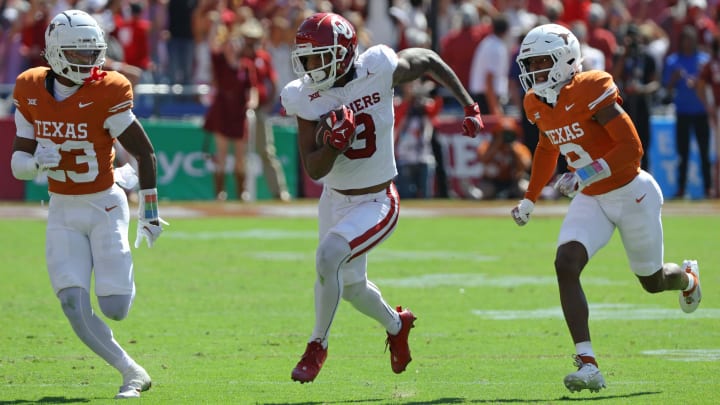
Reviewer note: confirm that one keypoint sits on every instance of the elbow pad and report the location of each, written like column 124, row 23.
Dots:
column 24, row 166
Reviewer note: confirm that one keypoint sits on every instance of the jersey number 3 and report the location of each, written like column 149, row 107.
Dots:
column 365, row 132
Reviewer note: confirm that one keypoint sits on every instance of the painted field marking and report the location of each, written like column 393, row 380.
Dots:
column 265, row 234
column 685, row 354
column 476, row 279
column 601, row 312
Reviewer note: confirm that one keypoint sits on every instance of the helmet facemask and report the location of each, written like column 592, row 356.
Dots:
column 547, row 89
column 74, row 45
column 325, row 75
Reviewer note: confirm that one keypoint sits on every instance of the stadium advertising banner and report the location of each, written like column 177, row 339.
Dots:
column 185, row 163
column 663, row 159
column 463, row 168
column 10, row 187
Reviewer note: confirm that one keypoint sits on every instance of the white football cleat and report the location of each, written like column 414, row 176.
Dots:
column 689, row 300
column 135, row 380
column 588, row 377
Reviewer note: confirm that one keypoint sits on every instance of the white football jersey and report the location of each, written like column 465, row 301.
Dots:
column 371, row 157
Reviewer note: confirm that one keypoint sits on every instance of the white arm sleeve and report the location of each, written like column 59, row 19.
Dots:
column 118, row 123
column 24, row 129
column 23, row 164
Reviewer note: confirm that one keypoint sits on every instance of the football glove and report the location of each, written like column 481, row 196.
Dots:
column 568, row 184
column 149, row 222
column 342, row 128
column 521, row 213
column 472, row 123
column 47, row 157
column 125, row 176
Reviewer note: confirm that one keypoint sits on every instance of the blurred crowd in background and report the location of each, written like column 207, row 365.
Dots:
column 654, row 49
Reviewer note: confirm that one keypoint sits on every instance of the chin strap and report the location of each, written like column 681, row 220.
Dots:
column 95, row 74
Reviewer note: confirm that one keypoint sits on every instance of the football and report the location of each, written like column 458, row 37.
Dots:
column 325, row 124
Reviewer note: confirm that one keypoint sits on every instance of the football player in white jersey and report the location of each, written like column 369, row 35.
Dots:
column 351, row 153
column 68, row 118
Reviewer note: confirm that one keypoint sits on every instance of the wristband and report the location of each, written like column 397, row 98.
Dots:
column 597, row 170
column 472, row 110
column 148, row 204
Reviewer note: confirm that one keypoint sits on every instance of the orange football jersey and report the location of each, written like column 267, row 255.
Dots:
column 76, row 126
column 568, row 128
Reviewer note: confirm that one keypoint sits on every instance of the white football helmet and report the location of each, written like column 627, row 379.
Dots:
column 74, row 45
column 562, row 46
column 333, row 38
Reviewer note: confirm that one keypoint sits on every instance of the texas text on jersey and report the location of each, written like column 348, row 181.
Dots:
column 568, row 128
column 76, row 126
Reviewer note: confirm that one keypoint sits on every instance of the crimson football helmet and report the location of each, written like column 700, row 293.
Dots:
column 74, row 45
column 333, row 38
column 562, row 46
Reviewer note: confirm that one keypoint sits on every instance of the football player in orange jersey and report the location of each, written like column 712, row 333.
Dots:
column 68, row 117
column 579, row 115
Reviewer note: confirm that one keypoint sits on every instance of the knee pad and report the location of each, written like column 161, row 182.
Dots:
column 332, row 252
column 115, row 307
column 75, row 303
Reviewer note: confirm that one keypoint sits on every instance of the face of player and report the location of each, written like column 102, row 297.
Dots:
column 541, row 64
column 85, row 57
column 317, row 61
column 312, row 62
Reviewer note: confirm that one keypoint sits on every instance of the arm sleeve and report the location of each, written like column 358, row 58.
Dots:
column 118, row 123
column 543, row 168
column 23, row 128
column 628, row 149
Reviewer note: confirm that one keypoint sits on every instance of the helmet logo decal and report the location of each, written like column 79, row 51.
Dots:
column 565, row 37
column 341, row 28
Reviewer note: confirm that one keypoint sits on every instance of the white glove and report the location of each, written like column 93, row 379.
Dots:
column 568, row 184
column 149, row 222
column 125, row 176
column 47, row 157
column 521, row 213
column 148, row 231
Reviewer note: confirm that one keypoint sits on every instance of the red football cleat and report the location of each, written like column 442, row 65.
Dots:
column 311, row 362
column 399, row 348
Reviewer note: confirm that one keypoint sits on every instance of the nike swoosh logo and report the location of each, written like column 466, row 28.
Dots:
column 637, row 200
column 83, row 105
column 108, row 209
column 569, row 106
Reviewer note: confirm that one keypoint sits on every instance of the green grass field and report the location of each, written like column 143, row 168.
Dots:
column 224, row 308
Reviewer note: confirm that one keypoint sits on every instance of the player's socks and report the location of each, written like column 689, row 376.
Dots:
column 585, row 351
column 331, row 254
column 366, row 298
column 90, row 328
